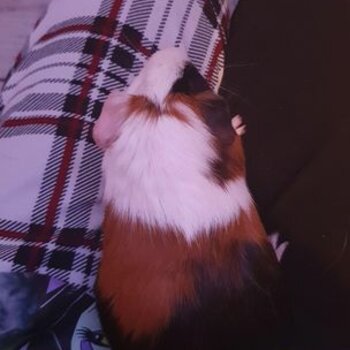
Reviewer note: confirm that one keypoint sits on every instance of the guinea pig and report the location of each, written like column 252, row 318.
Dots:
column 185, row 261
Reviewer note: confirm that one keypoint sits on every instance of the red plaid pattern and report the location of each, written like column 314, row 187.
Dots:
column 50, row 202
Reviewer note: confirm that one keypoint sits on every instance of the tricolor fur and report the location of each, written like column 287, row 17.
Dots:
column 186, row 264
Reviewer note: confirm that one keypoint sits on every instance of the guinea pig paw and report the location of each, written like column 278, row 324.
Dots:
column 238, row 126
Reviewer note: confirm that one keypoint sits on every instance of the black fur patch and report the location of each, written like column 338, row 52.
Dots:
column 229, row 315
column 218, row 118
column 191, row 82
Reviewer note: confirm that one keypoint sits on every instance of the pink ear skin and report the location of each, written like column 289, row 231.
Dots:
column 113, row 115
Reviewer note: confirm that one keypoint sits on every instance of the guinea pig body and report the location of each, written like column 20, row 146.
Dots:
column 185, row 263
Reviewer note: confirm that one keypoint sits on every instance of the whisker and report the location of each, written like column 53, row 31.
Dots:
column 232, row 92
column 240, row 65
column 342, row 251
column 235, row 94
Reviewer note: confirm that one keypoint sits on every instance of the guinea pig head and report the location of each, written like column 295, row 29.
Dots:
column 170, row 86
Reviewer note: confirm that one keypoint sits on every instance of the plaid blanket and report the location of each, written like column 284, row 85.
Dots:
column 50, row 198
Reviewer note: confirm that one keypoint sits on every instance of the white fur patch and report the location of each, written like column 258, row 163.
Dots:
column 157, row 172
column 159, row 74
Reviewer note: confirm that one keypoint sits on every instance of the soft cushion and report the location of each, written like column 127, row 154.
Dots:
column 50, row 200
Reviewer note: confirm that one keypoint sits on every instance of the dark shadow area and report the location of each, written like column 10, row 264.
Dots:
column 288, row 74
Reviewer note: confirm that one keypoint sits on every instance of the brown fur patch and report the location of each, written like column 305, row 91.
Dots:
column 146, row 273
column 213, row 112
column 142, row 274
column 141, row 104
column 172, row 102
column 230, row 162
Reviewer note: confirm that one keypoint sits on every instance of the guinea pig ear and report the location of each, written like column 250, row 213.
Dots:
column 217, row 116
column 114, row 113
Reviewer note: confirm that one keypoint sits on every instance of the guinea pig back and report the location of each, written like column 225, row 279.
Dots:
column 185, row 263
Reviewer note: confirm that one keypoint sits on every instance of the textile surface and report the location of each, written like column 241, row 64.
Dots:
column 42, row 313
column 50, row 184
